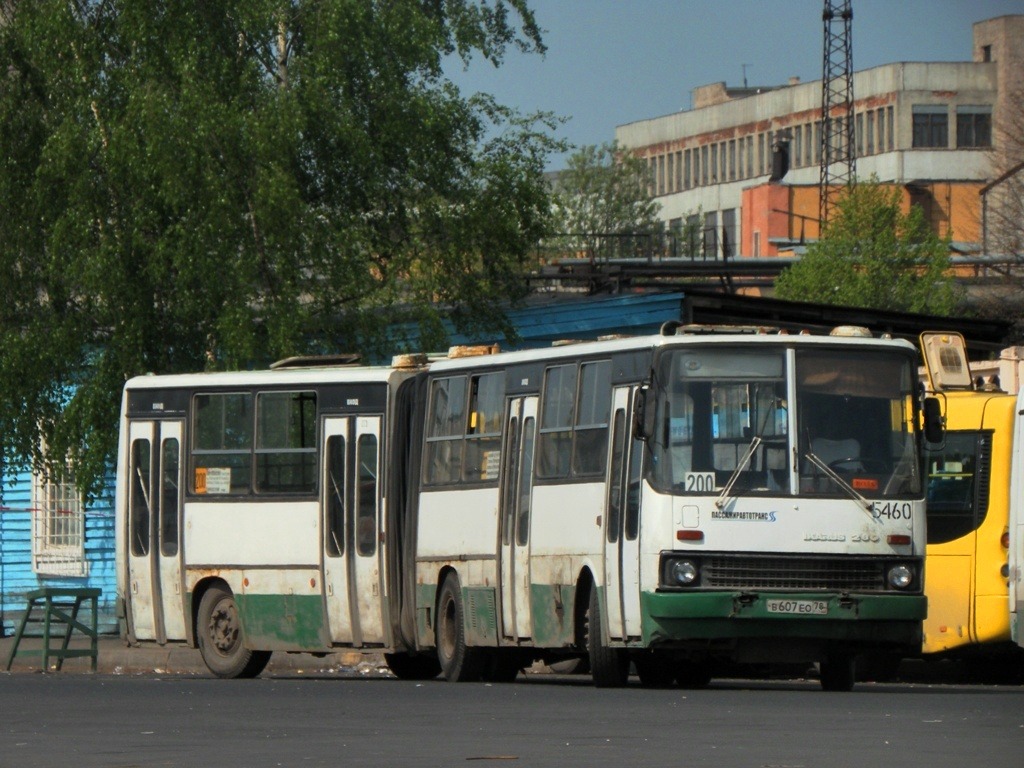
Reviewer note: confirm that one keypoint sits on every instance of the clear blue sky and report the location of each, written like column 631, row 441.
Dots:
column 611, row 62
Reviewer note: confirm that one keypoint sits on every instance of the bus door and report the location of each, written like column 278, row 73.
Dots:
column 516, row 495
column 622, row 522
column 350, row 504
column 154, row 531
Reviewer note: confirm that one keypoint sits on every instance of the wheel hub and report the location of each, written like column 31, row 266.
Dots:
column 224, row 626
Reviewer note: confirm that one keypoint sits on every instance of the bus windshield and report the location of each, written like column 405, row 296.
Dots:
column 725, row 420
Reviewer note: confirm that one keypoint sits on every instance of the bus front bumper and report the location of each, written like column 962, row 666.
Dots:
column 684, row 616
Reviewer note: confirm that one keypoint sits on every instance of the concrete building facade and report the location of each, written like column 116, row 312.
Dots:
column 745, row 163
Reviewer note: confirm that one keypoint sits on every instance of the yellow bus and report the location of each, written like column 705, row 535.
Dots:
column 968, row 478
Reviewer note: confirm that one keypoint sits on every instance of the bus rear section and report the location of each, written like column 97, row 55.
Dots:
column 251, row 509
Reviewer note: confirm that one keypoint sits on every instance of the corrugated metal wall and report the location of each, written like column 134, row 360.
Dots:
column 16, row 575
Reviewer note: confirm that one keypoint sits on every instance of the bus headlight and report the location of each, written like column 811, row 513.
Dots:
column 684, row 573
column 901, row 576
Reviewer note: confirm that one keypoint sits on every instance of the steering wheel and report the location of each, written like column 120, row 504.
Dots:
column 849, row 460
column 860, row 464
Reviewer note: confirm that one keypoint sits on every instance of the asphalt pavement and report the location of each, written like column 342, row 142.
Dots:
column 115, row 657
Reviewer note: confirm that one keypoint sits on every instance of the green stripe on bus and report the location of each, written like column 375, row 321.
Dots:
column 551, row 608
column 283, row 622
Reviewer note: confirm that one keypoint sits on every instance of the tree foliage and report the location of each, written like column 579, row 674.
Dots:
column 192, row 185
column 604, row 191
column 873, row 255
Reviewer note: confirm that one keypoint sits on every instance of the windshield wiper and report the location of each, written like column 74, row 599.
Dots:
column 834, row 476
column 723, row 497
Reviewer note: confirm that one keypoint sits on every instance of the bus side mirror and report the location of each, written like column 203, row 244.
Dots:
column 643, row 414
column 933, row 431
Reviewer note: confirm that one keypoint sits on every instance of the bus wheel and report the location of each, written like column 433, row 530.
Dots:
column 837, row 672
column 220, row 637
column 407, row 666
column 608, row 666
column 459, row 662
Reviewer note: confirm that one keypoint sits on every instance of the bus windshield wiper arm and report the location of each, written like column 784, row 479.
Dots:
column 723, row 497
column 834, row 476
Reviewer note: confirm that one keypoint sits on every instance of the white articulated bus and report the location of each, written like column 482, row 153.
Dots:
column 667, row 501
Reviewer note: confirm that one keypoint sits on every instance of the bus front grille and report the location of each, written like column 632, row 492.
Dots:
column 846, row 574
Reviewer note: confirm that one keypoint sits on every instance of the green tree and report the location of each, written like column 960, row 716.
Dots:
column 873, row 255
column 191, row 185
column 604, row 197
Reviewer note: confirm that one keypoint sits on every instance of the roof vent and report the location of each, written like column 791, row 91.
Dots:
column 316, row 361
column 472, row 351
column 852, row 331
column 411, row 360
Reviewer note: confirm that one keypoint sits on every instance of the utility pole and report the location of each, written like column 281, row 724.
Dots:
column 838, row 154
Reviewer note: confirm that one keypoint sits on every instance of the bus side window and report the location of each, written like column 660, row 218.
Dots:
column 590, row 451
column 556, row 421
column 958, row 485
column 483, row 435
column 446, row 427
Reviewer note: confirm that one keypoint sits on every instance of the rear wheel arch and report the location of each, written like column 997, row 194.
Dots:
column 196, row 597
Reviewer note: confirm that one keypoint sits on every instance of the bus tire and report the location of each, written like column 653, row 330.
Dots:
column 408, row 666
column 608, row 666
column 221, row 641
column 459, row 662
column 837, row 672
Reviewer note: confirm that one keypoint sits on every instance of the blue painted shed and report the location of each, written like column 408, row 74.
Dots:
column 46, row 542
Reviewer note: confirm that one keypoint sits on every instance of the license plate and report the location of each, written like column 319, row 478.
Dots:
column 799, row 607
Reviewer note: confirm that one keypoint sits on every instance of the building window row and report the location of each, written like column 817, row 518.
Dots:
column 746, row 157
column 931, row 123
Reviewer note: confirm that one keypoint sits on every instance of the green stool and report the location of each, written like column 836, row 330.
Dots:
column 56, row 603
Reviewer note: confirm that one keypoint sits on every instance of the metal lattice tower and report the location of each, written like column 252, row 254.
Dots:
column 838, row 153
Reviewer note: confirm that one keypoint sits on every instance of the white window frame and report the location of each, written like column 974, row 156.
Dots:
column 58, row 527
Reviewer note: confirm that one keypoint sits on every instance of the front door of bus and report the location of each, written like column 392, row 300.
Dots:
column 516, row 495
column 622, row 524
column 154, row 531
column 350, row 502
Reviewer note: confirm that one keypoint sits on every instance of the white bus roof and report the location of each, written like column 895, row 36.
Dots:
column 581, row 348
column 288, row 376
column 566, row 350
